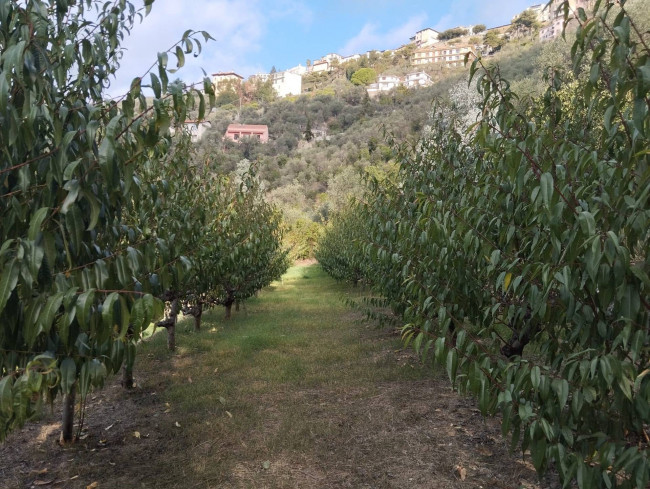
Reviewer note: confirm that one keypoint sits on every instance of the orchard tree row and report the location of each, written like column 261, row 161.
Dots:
column 104, row 216
column 516, row 253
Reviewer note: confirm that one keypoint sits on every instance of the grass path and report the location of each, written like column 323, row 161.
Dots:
column 294, row 392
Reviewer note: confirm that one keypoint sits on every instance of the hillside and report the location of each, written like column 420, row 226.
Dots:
column 308, row 179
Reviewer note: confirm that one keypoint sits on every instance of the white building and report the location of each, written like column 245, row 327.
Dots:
column 416, row 80
column 287, row 83
column 331, row 57
column 386, row 83
column 425, row 37
column 320, row 66
column 352, row 57
column 298, row 70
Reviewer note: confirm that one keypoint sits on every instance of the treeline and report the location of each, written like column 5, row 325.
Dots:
column 515, row 249
column 106, row 220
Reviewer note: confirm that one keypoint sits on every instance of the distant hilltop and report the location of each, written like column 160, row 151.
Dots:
column 426, row 48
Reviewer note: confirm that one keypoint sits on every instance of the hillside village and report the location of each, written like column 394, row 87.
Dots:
column 426, row 51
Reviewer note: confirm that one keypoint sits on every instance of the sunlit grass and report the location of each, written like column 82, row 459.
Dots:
column 297, row 337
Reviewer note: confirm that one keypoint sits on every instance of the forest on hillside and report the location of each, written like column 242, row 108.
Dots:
column 322, row 143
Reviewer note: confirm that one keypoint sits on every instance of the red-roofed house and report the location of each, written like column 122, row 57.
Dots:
column 236, row 132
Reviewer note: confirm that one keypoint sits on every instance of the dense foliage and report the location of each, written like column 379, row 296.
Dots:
column 97, row 203
column 517, row 253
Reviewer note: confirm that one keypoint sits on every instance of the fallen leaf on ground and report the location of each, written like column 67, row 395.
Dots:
column 461, row 472
column 266, row 465
column 228, row 413
column 93, row 485
column 136, row 434
column 109, row 427
column 177, row 424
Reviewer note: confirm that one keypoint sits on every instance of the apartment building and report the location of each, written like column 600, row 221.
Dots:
column 554, row 16
column 425, row 37
column 449, row 55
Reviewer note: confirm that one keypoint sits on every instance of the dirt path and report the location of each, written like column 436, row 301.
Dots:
column 295, row 392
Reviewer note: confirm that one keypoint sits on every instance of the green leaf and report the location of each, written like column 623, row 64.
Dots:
column 108, row 311
column 95, row 209
column 49, row 311
column 36, row 221
column 452, row 365
column 8, row 281
column 546, row 188
column 6, row 396
column 561, row 388
column 180, row 57
column 538, row 453
column 587, row 223
column 84, row 304
column 75, row 226
column 535, row 376
column 68, row 374
column 155, row 85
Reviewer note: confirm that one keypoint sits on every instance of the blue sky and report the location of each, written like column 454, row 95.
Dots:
column 252, row 36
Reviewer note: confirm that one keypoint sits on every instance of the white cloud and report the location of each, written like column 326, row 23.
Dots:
column 370, row 36
column 237, row 26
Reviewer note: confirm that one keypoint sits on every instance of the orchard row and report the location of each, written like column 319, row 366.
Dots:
column 515, row 251
column 104, row 216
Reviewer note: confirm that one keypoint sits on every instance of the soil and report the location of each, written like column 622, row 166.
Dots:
column 414, row 434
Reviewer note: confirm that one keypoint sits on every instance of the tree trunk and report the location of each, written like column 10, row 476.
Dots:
column 198, row 312
column 67, row 422
column 228, row 310
column 127, row 377
column 171, row 328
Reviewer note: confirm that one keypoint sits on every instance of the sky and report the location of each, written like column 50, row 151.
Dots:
column 253, row 36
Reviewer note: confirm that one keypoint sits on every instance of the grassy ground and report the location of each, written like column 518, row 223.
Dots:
column 294, row 392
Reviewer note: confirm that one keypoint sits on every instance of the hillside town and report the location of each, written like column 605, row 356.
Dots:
column 426, row 48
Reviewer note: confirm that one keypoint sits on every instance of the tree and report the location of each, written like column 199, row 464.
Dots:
column 518, row 256
column 494, row 40
column 74, row 287
column 452, row 33
column 364, row 76
column 526, row 21
column 226, row 97
column 478, row 28
column 309, row 135
column 246, row 252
